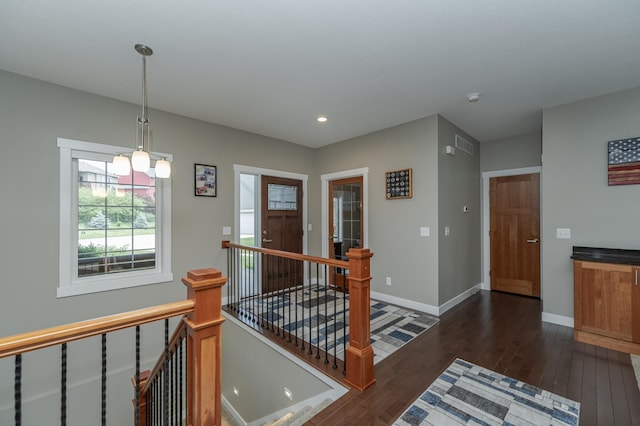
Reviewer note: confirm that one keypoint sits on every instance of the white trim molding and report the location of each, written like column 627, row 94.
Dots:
column 259, row 171
column 406, row 303
column 423, row 307
column 69, row 282
column 486, row 247
column 557, row 319
column 459, row 299
column 364, row 172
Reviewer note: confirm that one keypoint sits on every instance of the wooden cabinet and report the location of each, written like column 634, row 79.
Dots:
column 607, row 305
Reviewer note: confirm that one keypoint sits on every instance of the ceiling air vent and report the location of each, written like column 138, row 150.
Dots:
column 464, row 145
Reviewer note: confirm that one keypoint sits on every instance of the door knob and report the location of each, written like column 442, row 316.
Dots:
column 264, row 240
column 535, row 240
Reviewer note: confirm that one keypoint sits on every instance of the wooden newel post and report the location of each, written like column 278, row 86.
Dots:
column 359, row 355
column 204, row 352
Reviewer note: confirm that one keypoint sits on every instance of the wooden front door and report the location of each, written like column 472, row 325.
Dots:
column 515, row 234
column 345, row 223
column 281, row 229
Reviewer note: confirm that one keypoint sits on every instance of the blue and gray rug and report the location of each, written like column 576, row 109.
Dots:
column 323, row 315
column 466, row 394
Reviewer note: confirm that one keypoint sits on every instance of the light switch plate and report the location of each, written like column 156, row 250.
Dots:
column 447, row 231
column 226, row 230
column 563, row 233
column 425, row 231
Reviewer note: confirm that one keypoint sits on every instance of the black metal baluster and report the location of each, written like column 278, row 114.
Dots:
column 104, row 379
column 17, row 389
column 272, row 284
column 345, row 313
column 165, row 375
column 174, row 382
column 254, row 287
column 291, row 280
column 63, row 385
column 243, row 290
column 182, row 343
column 137, row 391
column 295, row 310
column 235, row 279
column 147, row 404
column 282, row 276
column 318, row 343
column 230, row 286
column 302, row 304
column 262, row 287
column 310, row 312
column 326, row 316
column 335, row 328
column 243, row 284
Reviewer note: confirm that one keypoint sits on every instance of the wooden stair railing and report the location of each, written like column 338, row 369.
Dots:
column 359, row 353
column 203, row 319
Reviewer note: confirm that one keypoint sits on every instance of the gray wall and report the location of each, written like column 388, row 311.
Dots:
column 511, row 153
column 261, row 381
column 422, row 269
column 575, row 194
column 33, row 114
column 458, row 186
column 399, row 252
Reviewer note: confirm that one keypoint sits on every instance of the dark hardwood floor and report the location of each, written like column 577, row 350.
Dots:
column 504, row 333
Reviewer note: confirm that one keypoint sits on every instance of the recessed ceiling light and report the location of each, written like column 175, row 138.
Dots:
column 473, row 97
column 322, row 119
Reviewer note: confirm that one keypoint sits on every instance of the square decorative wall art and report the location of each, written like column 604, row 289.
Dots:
column 398, row 184
column 205, row 180
column 624, row 161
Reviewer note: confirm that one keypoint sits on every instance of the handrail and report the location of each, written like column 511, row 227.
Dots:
column 39, row 339
column 289, row 255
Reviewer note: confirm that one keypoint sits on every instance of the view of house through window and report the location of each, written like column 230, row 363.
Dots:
column 116, row 219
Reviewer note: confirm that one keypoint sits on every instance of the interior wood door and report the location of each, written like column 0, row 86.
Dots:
column 515, row 234
column 281, row 229
column 345, row 223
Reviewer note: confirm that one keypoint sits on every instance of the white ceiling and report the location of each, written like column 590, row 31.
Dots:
column 271, row 66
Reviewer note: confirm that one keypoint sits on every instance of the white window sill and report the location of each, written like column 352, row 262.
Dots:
column 112, row 282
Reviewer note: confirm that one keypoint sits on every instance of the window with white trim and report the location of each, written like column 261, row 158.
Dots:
column 115, row 231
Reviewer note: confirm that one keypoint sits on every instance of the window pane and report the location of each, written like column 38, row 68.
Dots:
column 116, row 219
column 283, row 197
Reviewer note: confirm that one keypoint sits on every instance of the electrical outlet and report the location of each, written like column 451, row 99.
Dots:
column 447, row 231
column 388, row 280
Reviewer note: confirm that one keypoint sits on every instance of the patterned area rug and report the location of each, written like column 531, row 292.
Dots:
column 468, row 394
column 323, row 315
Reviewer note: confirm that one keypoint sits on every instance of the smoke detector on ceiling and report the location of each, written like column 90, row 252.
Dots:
column 473, row 97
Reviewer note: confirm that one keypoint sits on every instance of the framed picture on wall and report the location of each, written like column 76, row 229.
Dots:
column 205, row 180
column 399, row 184
column 624, row 161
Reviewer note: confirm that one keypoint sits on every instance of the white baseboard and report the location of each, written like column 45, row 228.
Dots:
column 557, row 319
column 405, row 303
column 459, row 299
column 423, row 307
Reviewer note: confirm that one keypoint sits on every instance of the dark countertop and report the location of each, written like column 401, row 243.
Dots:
column 606, row 255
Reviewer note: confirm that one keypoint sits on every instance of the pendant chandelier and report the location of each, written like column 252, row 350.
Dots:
column 141, row 157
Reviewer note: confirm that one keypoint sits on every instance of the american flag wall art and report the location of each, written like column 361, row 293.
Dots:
column 624, row 161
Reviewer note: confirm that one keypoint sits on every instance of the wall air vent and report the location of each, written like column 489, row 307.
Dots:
column 464, row 145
